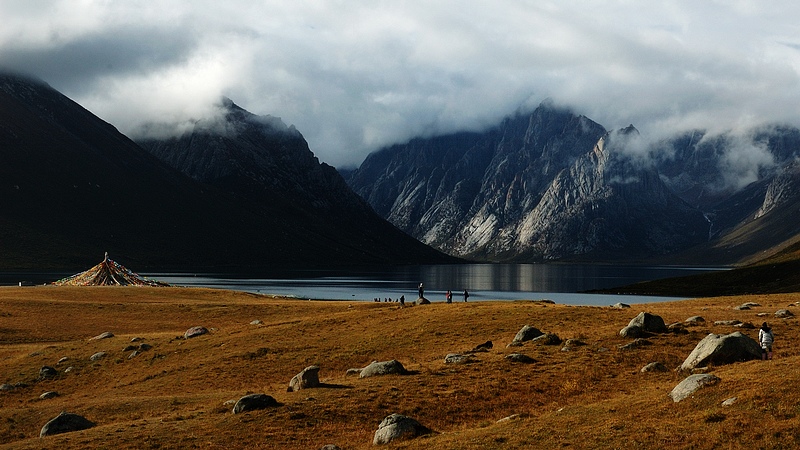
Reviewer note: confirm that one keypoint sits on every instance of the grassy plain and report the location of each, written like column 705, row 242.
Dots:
column 174, row 395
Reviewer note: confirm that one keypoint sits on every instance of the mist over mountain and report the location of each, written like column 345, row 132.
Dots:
column 553, row 185
column 73, row 187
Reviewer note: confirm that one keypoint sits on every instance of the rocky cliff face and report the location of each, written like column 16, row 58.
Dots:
column 538, row 187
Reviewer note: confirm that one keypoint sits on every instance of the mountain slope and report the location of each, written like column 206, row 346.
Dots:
column 538, row 187
column 261, row 161
column 73, row 187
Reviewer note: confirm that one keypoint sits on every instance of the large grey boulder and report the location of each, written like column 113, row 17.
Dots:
column 398, row 427
column 307, row 378
column 383, row 368
column 722, row 349
column 65, row 423
column 526, row 333
column 647, row 323
column 253, row 402
column 692, row 384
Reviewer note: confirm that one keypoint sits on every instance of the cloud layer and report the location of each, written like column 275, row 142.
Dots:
column 354, row 76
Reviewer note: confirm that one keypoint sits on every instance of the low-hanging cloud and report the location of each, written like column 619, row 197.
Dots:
column 355, row 76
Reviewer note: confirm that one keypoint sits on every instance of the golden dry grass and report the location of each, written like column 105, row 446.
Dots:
column 173, row 396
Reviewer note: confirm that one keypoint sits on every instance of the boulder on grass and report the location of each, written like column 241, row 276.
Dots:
column 307, row 378
column 722, row 349
column 648, row 323
column 398, row 427
column 194, row 332
column 383, row 368
column 253, row 402
column 526, row 333
column 65, row 423
column 692, row 384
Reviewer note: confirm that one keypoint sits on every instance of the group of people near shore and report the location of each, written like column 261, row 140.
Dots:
column 421, row 292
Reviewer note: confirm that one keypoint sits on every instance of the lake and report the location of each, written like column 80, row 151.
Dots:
column 562, row 283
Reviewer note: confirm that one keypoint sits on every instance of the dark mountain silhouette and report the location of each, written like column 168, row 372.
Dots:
column 72, row 187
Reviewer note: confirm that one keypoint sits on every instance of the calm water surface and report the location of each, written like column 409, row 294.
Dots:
column 562, row 283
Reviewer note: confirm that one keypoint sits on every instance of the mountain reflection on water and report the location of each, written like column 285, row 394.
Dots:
column 562, row 283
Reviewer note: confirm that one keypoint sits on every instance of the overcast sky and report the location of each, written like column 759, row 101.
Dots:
column 356, row 75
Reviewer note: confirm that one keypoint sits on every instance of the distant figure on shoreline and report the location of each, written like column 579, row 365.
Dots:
column 421, row 290
column 766, row 338
column 402, row 300
column 466, row 295
column 449, row 296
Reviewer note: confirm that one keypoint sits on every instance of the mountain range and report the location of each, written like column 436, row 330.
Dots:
column 244, row 196
column 242, row 192
column 554, row 185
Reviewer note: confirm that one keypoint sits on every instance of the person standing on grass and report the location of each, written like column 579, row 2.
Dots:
column 766, row 338
column 421, row 290
column 449, row 296
column 466, row 295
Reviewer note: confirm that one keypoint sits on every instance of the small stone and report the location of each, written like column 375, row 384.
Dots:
column 306, row 379
column 783, row 314
column 620, row 305
column 63, row 360
column 6, row 387
column 194, row 332
column 134, row 354
column 48, row 394
column 69, row 369
column 256, row 322
column 730, row 401
column 520, row 358
column 457, row 358
column 98, row 356
column 637, row 343
column 104, row 335
column 47, row 372
column 144, row 347
column 691, row 384
column 398, row 427
column 654, row 367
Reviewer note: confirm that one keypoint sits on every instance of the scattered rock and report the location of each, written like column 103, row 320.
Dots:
column 6, row 387
column 509, row 418
column 69, row 369
column 547, row 339
column 750, row 304
column 694, row 320
column 741, row 308
column 253, row 402
column 352, row 372
column 620, row 305
column 256, row 322
column 730, row 401
column 306, row 379
column 745, row 325
column 137, row 339
column 485, row 347
column 104, row 335
column 134, row 354
column 638, row 342
column 383, row 368
column 649, row 323
column 47, row 372
column 422, row 301
column 728, row 322
column 632, row 331
column 194, row 332
column 520, row 358
column 762, row 314
column 722, row 349
column 692, row 384
column 65, row 423
column 654, row 367
column 570, row 345
column 526, row 333
column 144, row 347
column 129, row 348
column 330, row 447
column 398, row 427
column 63, row 360
column 48, row 395
column 457, row 358
column 783, row 314
column 98, row 356
column 677, row 328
